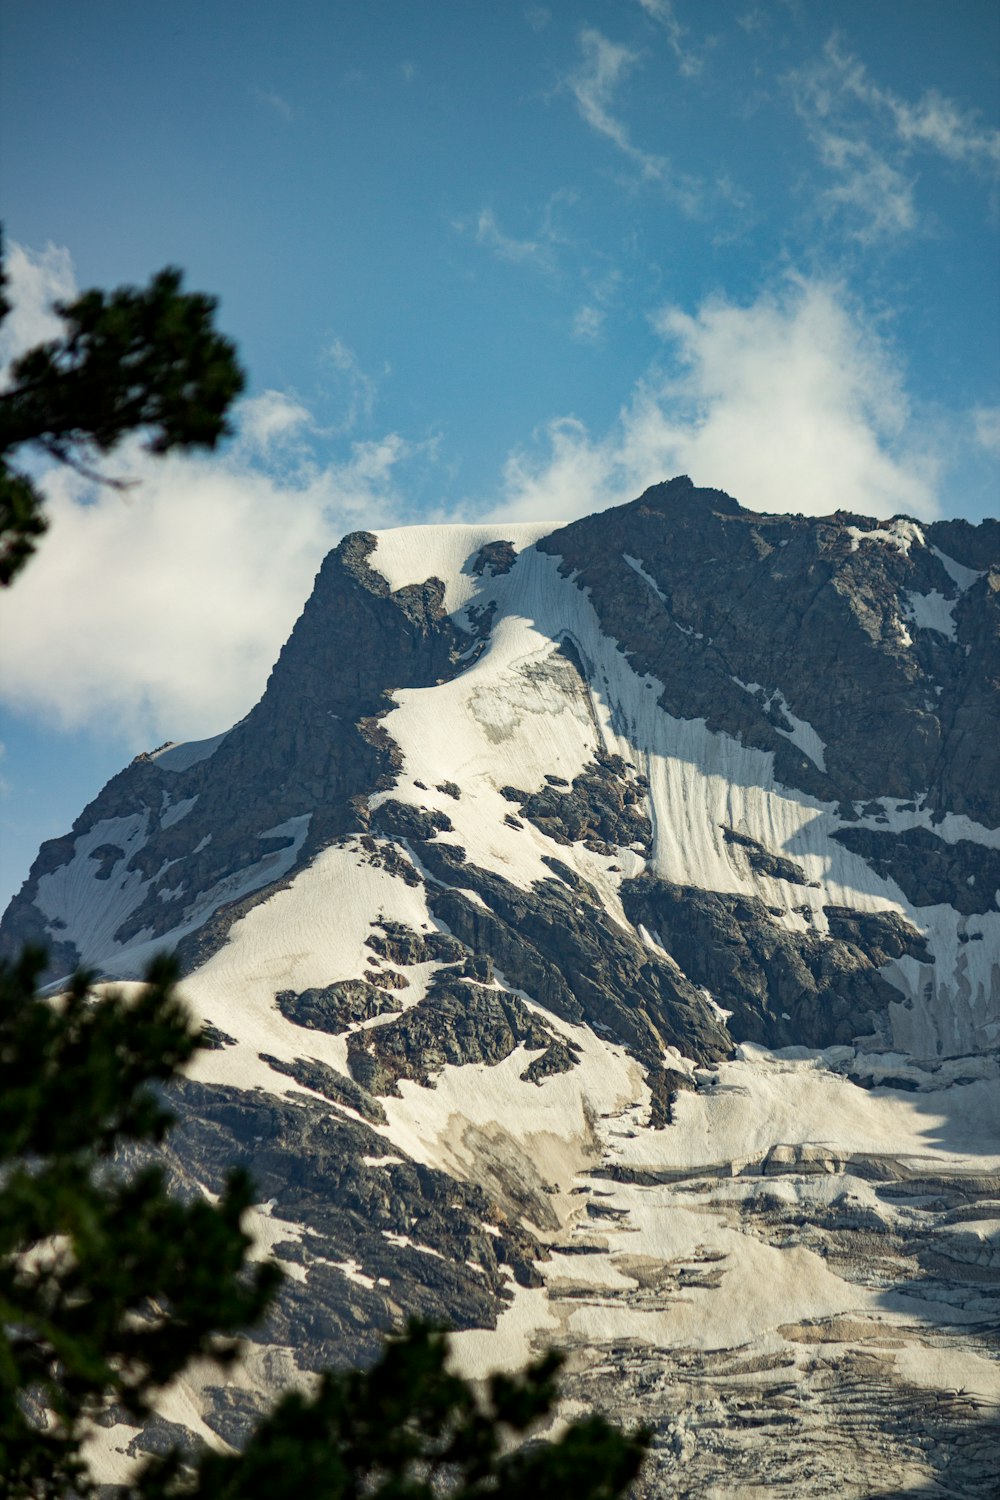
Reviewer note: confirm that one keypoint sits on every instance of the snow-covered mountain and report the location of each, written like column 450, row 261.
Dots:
column 599, row 932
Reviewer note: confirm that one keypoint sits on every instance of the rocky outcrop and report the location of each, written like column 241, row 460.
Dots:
column 602, row 809
column 783, row 988
column 311, row 749
column 928, row 870
column 457, row 1022
column 731, row 607
column 336, row 1007
column 560, row 946
column 442, row 1247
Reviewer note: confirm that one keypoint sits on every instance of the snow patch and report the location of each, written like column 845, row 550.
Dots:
column 172, row 814
column 962, row 577
column 901, row 534
column 412, row 554
column 85, row 909
column 931, row 612
column 181, row 757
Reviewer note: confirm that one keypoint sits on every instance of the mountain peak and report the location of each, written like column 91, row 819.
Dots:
column 599, row 926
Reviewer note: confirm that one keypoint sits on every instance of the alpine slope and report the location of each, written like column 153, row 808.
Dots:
column 597, row 930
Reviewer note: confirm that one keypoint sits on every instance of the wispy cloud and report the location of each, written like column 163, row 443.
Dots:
column 604, row 65
column 986, row 425
column 595, row 84
column 276, row 102
column 663, row 13
column 868, row 137
column 506, row 246
column 588, row 323
column 792, row 402
column 357, row 390
column 878, row 197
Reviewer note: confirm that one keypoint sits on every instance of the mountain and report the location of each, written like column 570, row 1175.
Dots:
column 598, row 933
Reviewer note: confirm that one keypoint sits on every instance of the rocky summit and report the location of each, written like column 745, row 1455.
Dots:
column 597, row 931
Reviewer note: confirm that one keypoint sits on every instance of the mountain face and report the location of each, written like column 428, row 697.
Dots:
column 598, row 933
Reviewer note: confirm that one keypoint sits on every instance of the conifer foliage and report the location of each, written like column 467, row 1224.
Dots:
column 135, row 360
column 110, row 1286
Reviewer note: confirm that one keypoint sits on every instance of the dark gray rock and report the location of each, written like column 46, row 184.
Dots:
column 336, row 1007
column 799, row 605
column 457, row 1022
column 494, row 557
column 563, row 949
column 603, row 809
column 927, row 869
column 401, row 945
column 764, row 862
column 783, row 988
column 401, row 821
column 331, row 1084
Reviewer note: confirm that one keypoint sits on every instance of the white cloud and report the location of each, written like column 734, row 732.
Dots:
column 790, row 403
column 271, row 419
column 878, row 197
column 158, row 614
column 868, row 136
column 158, row 611
column 273, row 100
column 35, row 280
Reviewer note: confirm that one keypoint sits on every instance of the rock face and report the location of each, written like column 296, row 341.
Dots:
column 598, row 935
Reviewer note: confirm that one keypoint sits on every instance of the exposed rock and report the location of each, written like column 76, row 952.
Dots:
column 602, row 809
column 400, row 820
column 803, row 596
column 558, row 1057
column 928, row 870
column 387, row 979
column 783, row 988
column 401, row 945
column 494, row 557
column 764, row 862
column 456, row 1022
column 573, row 959
column 213, row 1038
column 332, row 1085
column 362, row 1205
column 336, row 1007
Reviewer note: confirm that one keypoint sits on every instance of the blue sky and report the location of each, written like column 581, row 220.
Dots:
column 481, row 258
